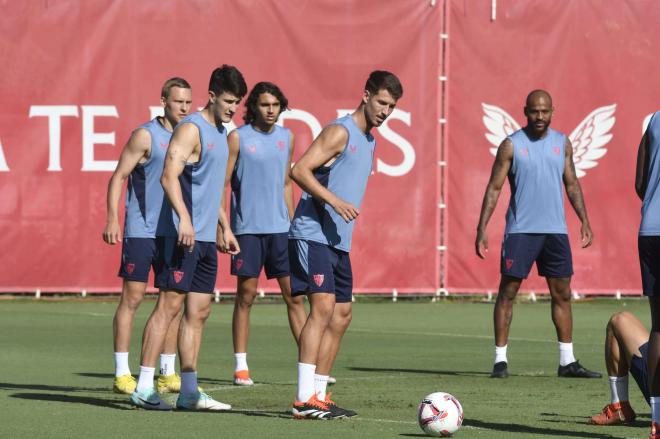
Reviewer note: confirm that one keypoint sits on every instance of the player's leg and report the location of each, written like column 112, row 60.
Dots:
column 519, row 250
column 277, row 266
column 246, row 291
column 502, row 317
column 168, row 381
column 555, row 263
column 623, row 338
column 197, row 310
column 167, row 309
column 137, row 255
column 654, row 362
column 122, row 326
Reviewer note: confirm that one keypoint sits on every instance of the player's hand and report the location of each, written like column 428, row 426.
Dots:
column 481, row 244
column 346, row 210
column 220, row 243
column 186, row 236
column 231, row 243
column 586, row 235
column 112, row 233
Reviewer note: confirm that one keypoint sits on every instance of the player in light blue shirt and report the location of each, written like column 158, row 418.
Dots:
column 647, row 186
column 260, row 155
column 333, row 173
column 193, row 175
column 538, row 162
column 141, row 162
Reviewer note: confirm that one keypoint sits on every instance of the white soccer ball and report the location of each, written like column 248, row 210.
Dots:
column 440, row 414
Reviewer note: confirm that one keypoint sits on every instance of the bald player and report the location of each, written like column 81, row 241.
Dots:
column 538, row 161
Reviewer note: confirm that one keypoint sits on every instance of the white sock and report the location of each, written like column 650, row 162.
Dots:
column 146, row 379
column 566, row 354
column 121, row 364
column 241, row 361
column 500, row 354
column 619, row 388
column 320, row 384
column 188, row 382
column 167, row 362
column 655, row 409
column 305, row 381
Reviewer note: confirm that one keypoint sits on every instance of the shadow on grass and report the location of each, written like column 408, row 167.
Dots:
column 433, row 372
column 537, row 431
column 51, row 397
column 110, row 376
column 15, row 386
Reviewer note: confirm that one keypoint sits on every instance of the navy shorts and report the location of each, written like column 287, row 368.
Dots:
column 639, row 371
column 138, row 255
column 649, row 261
column 270, row 251
column 186, row 271
column 552, row 253
column 319, row 268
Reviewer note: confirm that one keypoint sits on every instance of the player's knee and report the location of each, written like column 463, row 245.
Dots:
column 619, row 319
column 132, row 302
column 561, row 295
column 245, row 299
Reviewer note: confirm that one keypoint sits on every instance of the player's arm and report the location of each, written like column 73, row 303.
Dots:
column 288, row 185
column 498, row 173
column 137, row 147
column 574, row 192
column 184, row 142
column 642, row 167
column 328, row 145
column 225, row 240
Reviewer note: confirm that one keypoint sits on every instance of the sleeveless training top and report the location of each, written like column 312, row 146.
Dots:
column 650, row 225
column 257, row 183
column 347, row 178
column 144, row 194
column 537, row 187
column 202, row 183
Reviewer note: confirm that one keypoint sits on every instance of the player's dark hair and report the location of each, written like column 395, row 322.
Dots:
column 382, row 80
column 173, row 82
column 251, row 102
column 227, row 79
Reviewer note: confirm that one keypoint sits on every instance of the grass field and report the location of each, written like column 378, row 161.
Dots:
column 56, row 364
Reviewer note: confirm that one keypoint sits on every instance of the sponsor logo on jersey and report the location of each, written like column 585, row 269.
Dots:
column 281, row 145
column 252, row 148
column 210, row 145
column 352, row 148
column 556, row 150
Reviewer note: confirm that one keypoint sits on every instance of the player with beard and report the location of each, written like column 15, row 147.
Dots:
column 538, row 162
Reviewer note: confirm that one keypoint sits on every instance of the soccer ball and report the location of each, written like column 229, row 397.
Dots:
column 440, row 414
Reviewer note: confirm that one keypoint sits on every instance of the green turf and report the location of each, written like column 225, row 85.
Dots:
column 56, row 364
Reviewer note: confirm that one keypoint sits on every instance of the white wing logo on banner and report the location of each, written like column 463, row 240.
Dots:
column 588, row 139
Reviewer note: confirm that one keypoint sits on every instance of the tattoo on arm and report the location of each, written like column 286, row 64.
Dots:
column 573, row 188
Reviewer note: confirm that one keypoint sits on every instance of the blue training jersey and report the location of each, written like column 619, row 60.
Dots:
column 202, row 183
column 537, row 186
column 347, row 178
column 144, row 194
column 257, row 183
column 650, row 225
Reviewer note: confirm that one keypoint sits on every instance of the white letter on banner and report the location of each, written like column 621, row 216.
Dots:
column 54, row 113
column 156, row 111
column 302, row 116
column 3, row 160
column 408, row 151
column 645, row 124
column 90, row 138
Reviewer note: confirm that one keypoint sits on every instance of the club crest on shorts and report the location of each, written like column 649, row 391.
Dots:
column 238, row 263
column 178, row 275
column 130, row 267
column 318, row 279
column 280, row 145
column 509, row 264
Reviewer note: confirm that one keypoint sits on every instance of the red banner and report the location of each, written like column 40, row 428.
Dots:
column 81, row 75
column 597, row 59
